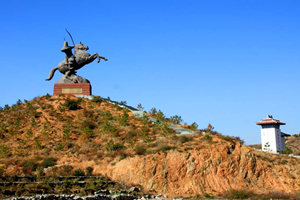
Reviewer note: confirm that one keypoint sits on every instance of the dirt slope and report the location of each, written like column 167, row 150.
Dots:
column 79, row 133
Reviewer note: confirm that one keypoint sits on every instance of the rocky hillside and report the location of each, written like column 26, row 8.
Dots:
column 63, row 135
column 293, row 142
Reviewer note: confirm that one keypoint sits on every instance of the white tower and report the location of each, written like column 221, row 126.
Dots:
column 272, row 139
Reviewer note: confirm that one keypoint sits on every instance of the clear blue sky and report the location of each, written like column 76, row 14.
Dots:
column 228, row 63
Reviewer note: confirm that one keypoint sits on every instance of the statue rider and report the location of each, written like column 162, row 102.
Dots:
column 69, row 58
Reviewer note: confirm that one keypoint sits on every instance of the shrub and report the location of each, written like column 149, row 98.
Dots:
column 227, row 138
column 49, row 162
column 108, row 116
column 109, row 128
column 89, row 171
column 97, row 99
column 6, row 107
column 165, row 147
column 88, row 123
column 78, row 172
column 64, row 170
column 123, row 103
column 239, row 194
column 29, row 166
column 111, row 146
column 185, row 138
column 193, row 126
column 207, row 138
column 48, row 96
column 4, row 151
column 131, row 134
column 123, row 156
column 287, row 151
column 72, row 104
column 209, row 128
column 124, row 118
column 19, row 102
column 160, row 115
column 140, row 149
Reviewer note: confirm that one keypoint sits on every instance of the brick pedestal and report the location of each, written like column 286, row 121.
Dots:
column 72, row 88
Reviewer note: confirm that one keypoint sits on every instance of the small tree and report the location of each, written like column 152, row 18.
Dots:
column 176, row 119
column 153, row 111
column 140, row 107
column 209, row 128
column 194, row 126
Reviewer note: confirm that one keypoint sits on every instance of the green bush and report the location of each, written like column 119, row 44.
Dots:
column 287, row 151
column 227, row 138
column 108, row 127
column 72, row 104
column 165, row 148
column 29, row 166
column 111, row 146
column 239, row 194
column 124, row 118
column 49, row 162
column 185, row 138
column 193, row 126
column 47, row 96
column 78, row 172
column 4, row 151
column 97, row 99
column 207, row 138
column 89, row 171
column 140, row 149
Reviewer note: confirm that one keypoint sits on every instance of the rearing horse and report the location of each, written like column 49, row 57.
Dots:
column 81, row 58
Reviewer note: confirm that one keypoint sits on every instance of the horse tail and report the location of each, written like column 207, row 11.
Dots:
column 51, row 74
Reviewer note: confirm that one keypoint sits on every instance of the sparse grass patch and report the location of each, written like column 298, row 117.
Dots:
column 207, row 138
column 239, row 194
column 4, row 151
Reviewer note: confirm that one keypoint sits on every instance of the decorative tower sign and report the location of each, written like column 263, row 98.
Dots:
column 272, row 139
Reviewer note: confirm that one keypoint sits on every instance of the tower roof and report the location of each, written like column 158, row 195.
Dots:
column 270, row 120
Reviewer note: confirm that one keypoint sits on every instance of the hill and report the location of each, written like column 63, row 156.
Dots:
column 65, row 135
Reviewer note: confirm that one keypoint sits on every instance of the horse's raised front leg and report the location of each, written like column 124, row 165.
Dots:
column 100, row 57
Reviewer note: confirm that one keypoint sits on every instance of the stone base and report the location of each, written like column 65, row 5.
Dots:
column 72, row 88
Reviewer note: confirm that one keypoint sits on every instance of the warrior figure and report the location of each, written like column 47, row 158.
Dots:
column 69, row 58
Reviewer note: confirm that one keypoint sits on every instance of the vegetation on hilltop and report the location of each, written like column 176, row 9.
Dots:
column 44, row 132
column 66, row 135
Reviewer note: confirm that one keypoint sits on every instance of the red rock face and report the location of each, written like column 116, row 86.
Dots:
column 72, row 88
column 211, row 171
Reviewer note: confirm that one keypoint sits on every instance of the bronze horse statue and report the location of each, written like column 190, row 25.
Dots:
column 74, row 62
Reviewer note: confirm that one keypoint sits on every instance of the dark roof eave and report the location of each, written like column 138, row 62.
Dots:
column 263, row 123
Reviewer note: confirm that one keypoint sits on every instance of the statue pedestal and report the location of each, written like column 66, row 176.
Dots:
column 72, row 88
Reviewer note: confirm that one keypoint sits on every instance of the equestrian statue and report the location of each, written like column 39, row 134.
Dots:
column 73, row 62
